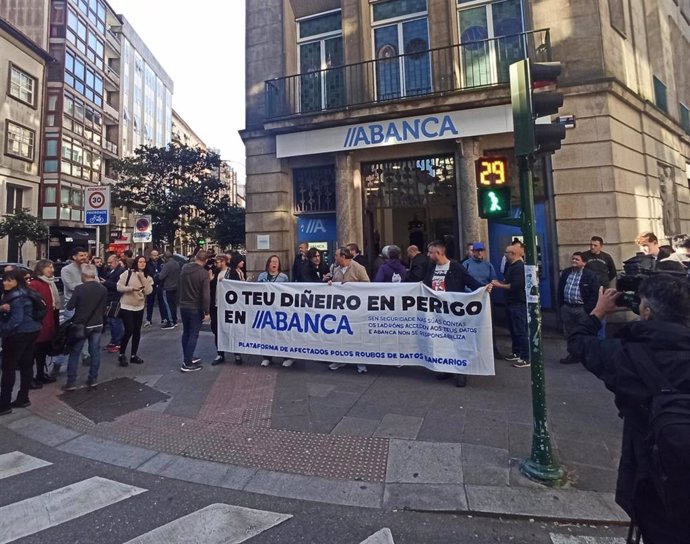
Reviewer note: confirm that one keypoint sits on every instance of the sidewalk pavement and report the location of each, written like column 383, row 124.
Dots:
column 394, row 438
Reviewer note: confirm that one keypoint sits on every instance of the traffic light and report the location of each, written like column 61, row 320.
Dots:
column 201, row 243
column 529, row 103
column 493, row 195
column 493, row 202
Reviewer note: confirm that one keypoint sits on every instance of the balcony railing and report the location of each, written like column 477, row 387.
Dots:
column 111, row 111
column 110, row 146
column 429, row 72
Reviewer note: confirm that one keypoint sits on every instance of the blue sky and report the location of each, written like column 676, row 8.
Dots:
column 201, row 46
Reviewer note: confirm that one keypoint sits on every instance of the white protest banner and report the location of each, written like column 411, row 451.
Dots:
column 368, row 323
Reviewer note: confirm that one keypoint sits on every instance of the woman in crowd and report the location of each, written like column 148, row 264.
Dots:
column 236, row 271
column 134, row 285
column 392, row 270
column 273, row 274
column 19, row 331
column 221, row 271
column 44, row 284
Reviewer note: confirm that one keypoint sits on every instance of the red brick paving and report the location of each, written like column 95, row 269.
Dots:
column 242, row 395
column 233, row 426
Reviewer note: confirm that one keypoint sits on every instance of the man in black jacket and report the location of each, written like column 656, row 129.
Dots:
column 300, row 262
column 88, row 303
column 516, row 305
column 169, row 279
column 448, row 275
column 419, row 263
column 578, row 289
column 600, row 262
column 153, row 268
column 112, row 275
column 663, row 335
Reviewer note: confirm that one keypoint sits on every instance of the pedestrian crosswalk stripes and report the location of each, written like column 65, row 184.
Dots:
column 16, row 462
column 570, row 539
column 384, row 536
column 215, row 524
column 42, row 512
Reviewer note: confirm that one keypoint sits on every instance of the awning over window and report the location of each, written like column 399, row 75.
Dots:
column 78, row 234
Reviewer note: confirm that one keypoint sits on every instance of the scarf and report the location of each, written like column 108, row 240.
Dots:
column 57, row 304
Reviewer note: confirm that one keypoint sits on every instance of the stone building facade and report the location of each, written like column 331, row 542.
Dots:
column 22, row 81
column 365, row 120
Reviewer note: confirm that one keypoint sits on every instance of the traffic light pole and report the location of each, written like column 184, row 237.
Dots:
column 541, row 465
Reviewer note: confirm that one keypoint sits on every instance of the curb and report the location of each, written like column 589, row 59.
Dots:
column 535, row 503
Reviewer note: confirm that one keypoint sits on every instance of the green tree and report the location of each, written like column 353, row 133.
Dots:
column 229, row 229
column 178, row 186
column 23, row 227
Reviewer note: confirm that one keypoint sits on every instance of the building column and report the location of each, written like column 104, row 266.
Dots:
column 348, row 201
column 472, row 228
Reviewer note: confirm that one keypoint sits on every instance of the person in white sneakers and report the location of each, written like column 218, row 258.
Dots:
column 273, row 274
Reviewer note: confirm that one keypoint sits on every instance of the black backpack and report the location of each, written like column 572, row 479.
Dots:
column 669, row 436
column 39, row 308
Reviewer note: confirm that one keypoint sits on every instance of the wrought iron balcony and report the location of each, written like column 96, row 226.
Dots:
column 443, row 70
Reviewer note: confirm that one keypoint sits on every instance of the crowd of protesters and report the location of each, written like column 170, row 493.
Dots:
column 117, row 295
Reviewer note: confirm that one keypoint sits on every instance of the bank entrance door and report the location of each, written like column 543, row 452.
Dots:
column 410, row 201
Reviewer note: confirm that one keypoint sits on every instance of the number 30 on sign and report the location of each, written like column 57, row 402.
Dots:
column 492, row 171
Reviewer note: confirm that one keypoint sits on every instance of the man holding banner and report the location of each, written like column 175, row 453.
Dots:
column 450, row 276
column 348, row 270
column 395, row 324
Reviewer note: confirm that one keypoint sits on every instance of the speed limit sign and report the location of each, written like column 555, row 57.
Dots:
column 97, row 205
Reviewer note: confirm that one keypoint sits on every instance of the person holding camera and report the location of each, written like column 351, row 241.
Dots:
column 577, row 294
column 645, row 365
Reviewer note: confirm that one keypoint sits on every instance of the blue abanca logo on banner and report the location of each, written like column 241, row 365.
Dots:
column 398, row 132
column 320, row 228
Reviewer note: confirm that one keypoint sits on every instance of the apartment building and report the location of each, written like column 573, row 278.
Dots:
column 366, row 119
column 183, row 134
column 106, row 94
column 22, row 79
column 144, row 109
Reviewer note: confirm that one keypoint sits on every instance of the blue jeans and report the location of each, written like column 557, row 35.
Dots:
column 601, row 335
column 191, row 325
column 151, row 301
column 117, row 330
column 93, row 336
column 168, row 301
column 516, row 316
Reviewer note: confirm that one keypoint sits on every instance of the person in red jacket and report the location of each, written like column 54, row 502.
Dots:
column 43, row 282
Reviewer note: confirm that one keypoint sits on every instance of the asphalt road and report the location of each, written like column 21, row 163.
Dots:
column 52, row 497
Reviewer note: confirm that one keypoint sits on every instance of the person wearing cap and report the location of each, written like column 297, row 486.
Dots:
column 479, row 268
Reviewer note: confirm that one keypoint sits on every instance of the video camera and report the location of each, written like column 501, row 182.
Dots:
column 635, row 271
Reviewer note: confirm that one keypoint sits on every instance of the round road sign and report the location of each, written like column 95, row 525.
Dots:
column 96, row 200
column 143, row 224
